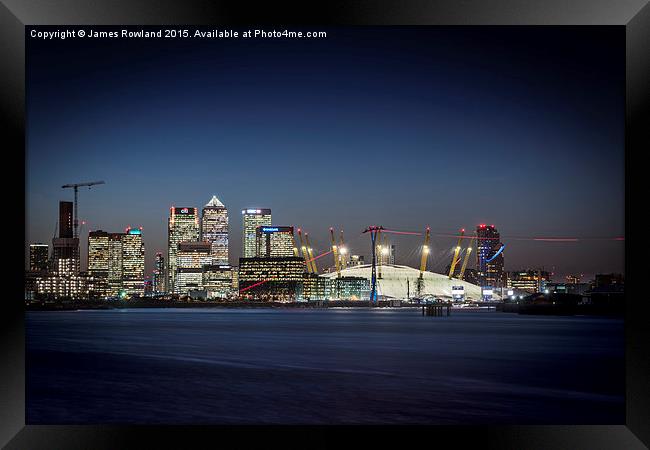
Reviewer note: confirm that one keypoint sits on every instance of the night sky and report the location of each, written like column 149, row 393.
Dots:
column 520, row 127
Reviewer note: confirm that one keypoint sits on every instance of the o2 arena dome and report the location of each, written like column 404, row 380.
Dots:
column 393, row 282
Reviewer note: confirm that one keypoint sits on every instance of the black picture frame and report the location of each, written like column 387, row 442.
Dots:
column 634, row 15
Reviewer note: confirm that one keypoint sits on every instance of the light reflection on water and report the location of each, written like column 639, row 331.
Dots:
column 321, row 366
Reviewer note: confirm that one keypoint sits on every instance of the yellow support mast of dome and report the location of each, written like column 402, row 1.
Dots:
column 455, row 258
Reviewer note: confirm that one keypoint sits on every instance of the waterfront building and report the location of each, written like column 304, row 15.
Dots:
column 133, row 262
column 348, row 288
column 183, row 226
column 39, row 255
column 115, row 263
column 528, row 280
column 57, row 286
column 270, row 278
column 98, row 260
column 158, row 279
column 567, row 288
column 274, row 241
column 214, row 229
column 251, row 219
column 217, row 280
column 489, row 264
column 312, row 287
column 191, row 258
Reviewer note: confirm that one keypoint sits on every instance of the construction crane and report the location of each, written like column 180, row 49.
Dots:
column 304, row 251
column 335, row 251
column 466, row 260
column 455, row 259
column 76, row 187
column 423, row 260
column 314, row 269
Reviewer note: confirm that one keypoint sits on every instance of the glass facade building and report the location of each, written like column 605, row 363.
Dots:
column 270, row 278
column 251, row 219
column 489, row 256
column 183, row 226
column 274, row 242
column 133, row 262
column 214, row 229
column 191, row 258
column 158, row 279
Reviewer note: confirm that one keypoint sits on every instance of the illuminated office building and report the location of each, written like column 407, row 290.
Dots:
column 217, row 280
column 270, row 278
column 214, row 229
column 98, row 257
column 38, row 257
column 158, row 279
column 274, row 242
column 115, row 263
column 133, row 262
column 190, row 260
column 489, row 255
column 183, row 226
column 528, row 280
column 253, row 218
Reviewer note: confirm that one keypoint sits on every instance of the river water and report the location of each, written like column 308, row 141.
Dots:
column 321, row 366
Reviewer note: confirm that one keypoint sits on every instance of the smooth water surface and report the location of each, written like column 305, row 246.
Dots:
column 321, row 366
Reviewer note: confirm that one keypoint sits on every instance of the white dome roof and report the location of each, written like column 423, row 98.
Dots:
column 393, row 282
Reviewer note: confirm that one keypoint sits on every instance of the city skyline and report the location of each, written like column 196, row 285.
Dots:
column 424, row 131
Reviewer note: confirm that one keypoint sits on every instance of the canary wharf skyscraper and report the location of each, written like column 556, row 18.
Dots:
column 214, row 229
column 133, row 262
column 253, row 218
column 183, row 226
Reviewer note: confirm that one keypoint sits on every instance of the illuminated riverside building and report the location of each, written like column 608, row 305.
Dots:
column 217, row 280
column 191, row 258
column 528, row 280
column 314, row 287
column 270, row 278
column 356, row 260
column 158, row 279
column 73, row 286
column 133, row 262
column 274, row 242
column 39, row 255
column 98, row 260
column 251, row 219
column 489, row 255
column 115, row 263
column 214, row 229
column 183, row 226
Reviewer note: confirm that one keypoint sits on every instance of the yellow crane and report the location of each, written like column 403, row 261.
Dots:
column 314, row 269
column 455, row 259
column 464, row 266
column 335, row 251
column 304, row 251
column 343, row 251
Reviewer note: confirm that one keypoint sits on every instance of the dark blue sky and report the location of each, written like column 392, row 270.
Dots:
column 521, row 127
